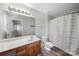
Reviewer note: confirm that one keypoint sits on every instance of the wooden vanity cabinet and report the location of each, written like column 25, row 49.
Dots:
column 34, row 49
column 21, row 51
column 31, row 49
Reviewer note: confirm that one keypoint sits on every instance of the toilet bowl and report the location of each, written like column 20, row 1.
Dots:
column 46, row 44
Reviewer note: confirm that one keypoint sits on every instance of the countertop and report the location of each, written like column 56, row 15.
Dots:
column 7, row 44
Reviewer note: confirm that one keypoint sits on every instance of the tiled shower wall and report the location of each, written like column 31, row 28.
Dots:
column 63, row 32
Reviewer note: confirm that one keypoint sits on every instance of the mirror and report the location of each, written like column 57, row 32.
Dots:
column 15, row 25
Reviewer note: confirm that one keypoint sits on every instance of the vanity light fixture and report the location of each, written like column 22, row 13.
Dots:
column 10, row 8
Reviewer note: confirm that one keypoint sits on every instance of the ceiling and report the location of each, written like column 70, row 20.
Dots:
column 55, row 9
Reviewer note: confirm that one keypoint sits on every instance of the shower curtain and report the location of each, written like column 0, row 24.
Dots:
column 63, row 32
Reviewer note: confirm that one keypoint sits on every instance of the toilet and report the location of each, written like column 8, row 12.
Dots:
column 46, row 44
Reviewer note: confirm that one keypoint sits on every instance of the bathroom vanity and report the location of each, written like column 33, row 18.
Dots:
column 17, row 32
column 20, row 46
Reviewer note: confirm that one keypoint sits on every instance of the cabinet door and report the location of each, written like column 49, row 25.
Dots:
column 37, row 48
column 30, row 50
column 21, row 51
column 34, row 49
